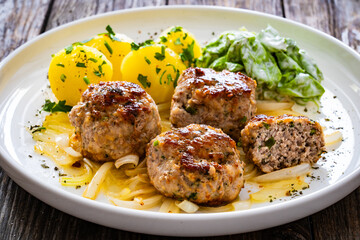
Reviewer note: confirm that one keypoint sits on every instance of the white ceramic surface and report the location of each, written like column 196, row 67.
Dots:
column 23, row 79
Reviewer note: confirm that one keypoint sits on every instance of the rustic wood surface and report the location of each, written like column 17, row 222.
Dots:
column 24, row 217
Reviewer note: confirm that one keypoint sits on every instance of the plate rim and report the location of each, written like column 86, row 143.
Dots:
column 14, row 168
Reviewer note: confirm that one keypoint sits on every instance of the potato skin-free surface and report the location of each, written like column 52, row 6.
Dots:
column 181, row 42
column 74, row 68
column 115, row 49
column 155, row 68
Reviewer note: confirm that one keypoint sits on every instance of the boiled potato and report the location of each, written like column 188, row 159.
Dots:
column 115, row 47
column 155, row 68
column 181, row 42
column 72, row 69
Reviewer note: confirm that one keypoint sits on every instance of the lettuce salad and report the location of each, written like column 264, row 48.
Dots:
column 282, row 70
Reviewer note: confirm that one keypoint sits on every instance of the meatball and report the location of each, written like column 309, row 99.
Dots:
column 273, row 143
column 223, row 100
column 114, row 119
column 198, row 163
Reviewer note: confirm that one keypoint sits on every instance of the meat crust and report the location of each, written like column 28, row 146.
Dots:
column 223, row 100
column 198, row 163
column 114, row 119
column 273, row 143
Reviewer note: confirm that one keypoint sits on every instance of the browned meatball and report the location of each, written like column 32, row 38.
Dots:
column 198, row 163
column 114, row 119
column 224, row 100
column 279, row 142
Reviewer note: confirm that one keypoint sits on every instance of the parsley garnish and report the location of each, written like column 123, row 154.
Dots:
column 62, row 77
column 190, row 110
column 185, row 36
column 143, row 80
column 86, row 80
column 147, row 60
column 36, row 128
column 93, row 60
column 312, row 131
column 176, row 29
column 156, row 143
column 79, row 64
column 266, row 125
column 56, row 107
column 193, row 196
column 69, row 49
column 60, row 65
column 97, row 73
column 160, row 56
column 178, row 42
column 162, row 76
column 158, row 70
column 108, row 47
column 110, row 31
column 134, row 46
column 188, row 53
column 270, row 142
column 163, row 39
column 169, row 78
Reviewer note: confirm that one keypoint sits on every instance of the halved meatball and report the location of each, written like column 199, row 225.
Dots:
column 114, row 119
column 273, row 143
column 198, row 163
column 224, row 100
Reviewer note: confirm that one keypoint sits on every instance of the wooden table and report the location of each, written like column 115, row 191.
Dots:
column 24, row 217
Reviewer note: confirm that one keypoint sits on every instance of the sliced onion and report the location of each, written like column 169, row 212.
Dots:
column 72, row 152
column 164, row 106
column 241, row 205
column 333, row 138
column 62, row 140
column 264, row 106
column 283, row 174
column 93, row 188
column 78, row 180
column 129, row 159
column 144, row 204
column 187, row 206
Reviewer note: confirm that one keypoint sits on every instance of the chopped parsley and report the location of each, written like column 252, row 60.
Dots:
column 270, row 142
column 160, row 56
column 193, row 196
column 147, row 60
column 188, row 53
column 178, row 42
column 162, row 77
column 134, row 46
column 108, row 47
column 163, row 39
column 175, row 29
column 156, row 143
column 143, row 80
column 86, row 80
column 79, row 64
column 158, row 70
column 312, row 131
column 69, row 49
column 185, row 36
column 60, row 65
column 110, row 32
column 56, row 107
column 190, row 110
column 93, row 60
column 36, row 128
column 62, row 77
column 243, row 120
column 44, row 165
column 266, row 125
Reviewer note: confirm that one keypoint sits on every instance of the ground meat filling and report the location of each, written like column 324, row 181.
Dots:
column 224, row 100
column 273, row 143
column 114, row 119
column 198, row 163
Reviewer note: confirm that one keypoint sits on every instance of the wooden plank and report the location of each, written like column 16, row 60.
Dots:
column 267, row 6
column 317, row 14
column 67, row 11
column 20, row 21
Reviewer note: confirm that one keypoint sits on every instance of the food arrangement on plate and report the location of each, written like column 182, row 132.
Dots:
column 167, row 124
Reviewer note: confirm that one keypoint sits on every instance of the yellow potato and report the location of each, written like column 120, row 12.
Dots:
column 114, row 47
column 155, row 68
column 181, row 42
column 72, row 69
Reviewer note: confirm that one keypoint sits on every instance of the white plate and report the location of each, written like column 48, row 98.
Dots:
column 23, row 75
